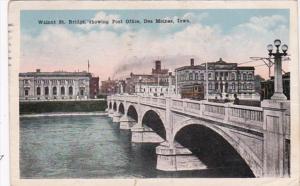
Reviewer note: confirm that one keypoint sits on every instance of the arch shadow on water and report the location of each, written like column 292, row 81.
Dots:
column 213, row 150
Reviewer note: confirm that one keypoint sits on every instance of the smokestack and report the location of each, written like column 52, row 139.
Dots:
column 192, row 61
column 157, row 65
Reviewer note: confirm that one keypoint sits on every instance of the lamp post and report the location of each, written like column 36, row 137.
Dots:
column 278, row 88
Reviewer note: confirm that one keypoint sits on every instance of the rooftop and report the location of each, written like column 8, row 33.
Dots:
column 55, row 73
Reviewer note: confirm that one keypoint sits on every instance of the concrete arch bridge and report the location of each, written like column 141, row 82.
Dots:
column 258, row 136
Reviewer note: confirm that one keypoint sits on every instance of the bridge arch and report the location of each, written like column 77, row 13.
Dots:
column 132, row 112
column 115, row 106
column 226, row 138
column 153, row 120
column 121, row 108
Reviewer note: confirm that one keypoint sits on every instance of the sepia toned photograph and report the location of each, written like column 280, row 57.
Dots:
column 154, row 93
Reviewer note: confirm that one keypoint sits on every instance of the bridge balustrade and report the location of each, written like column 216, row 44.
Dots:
column 192, row 106
column 177, row 104
column 162, row 101
column 235, row 114
column 216, row 110
column 246, row 115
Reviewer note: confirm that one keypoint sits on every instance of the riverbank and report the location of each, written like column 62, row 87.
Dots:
column 40, row 107
column 64, row 114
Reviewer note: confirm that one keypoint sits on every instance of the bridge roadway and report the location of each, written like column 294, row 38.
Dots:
column 260, row 135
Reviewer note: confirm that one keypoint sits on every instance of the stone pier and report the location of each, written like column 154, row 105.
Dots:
column 110, row 113
column 144, row 135
column 126, row 122
column 177, row 158
column 116, row 117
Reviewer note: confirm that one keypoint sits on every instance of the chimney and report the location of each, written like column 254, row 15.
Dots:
column 157, row 65
column 38, row 70
column 192, row 61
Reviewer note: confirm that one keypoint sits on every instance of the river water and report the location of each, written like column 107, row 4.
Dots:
column 90, row 147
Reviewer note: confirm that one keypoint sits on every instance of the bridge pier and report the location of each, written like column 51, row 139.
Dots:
column 110, row 113
column 116, row 117
column 144, row 135
column 177, row 158
column 126, row 122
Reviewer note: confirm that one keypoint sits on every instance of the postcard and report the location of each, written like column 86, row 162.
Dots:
column 153, row 93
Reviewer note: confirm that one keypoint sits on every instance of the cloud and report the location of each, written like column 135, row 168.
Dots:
column 111, row 53
column 191, row 17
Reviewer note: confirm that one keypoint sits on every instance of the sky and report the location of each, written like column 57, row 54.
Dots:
column 115, row 50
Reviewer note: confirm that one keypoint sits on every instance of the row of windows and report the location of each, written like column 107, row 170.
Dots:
column 54, row 81
column 233, row 86
column 196, row 76
column 54, row 91
column 157, row 89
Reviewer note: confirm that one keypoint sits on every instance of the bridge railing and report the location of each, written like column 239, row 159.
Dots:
column 246, row 115
column 228, row 112
column 216, row 110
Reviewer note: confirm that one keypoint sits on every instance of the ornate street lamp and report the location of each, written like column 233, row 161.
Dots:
column 278, row 87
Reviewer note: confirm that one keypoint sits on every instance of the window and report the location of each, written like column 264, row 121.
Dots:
column 232, row 76
column 209, row 76
column 209, row 86
column 190, row 76
column 46, row 91
column 70, row 91
column 232, row 86
column 216, row 86
column 81, row 92
column 202, row 76
column 196, row 76
column 26, row 92
column 38, row 91
column 249, row 76
column 244, row 76
column 62, row 90
column 250, row 86
column 54, row 91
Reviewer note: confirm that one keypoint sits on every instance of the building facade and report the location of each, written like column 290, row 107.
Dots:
column 94, row 87
column 159, row 77
column 54, row 85
column 223, row 78
column 109, row 87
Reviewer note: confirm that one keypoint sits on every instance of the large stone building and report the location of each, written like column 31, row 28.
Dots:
column 58, row 85
column 159, row 77
column 223, row 78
